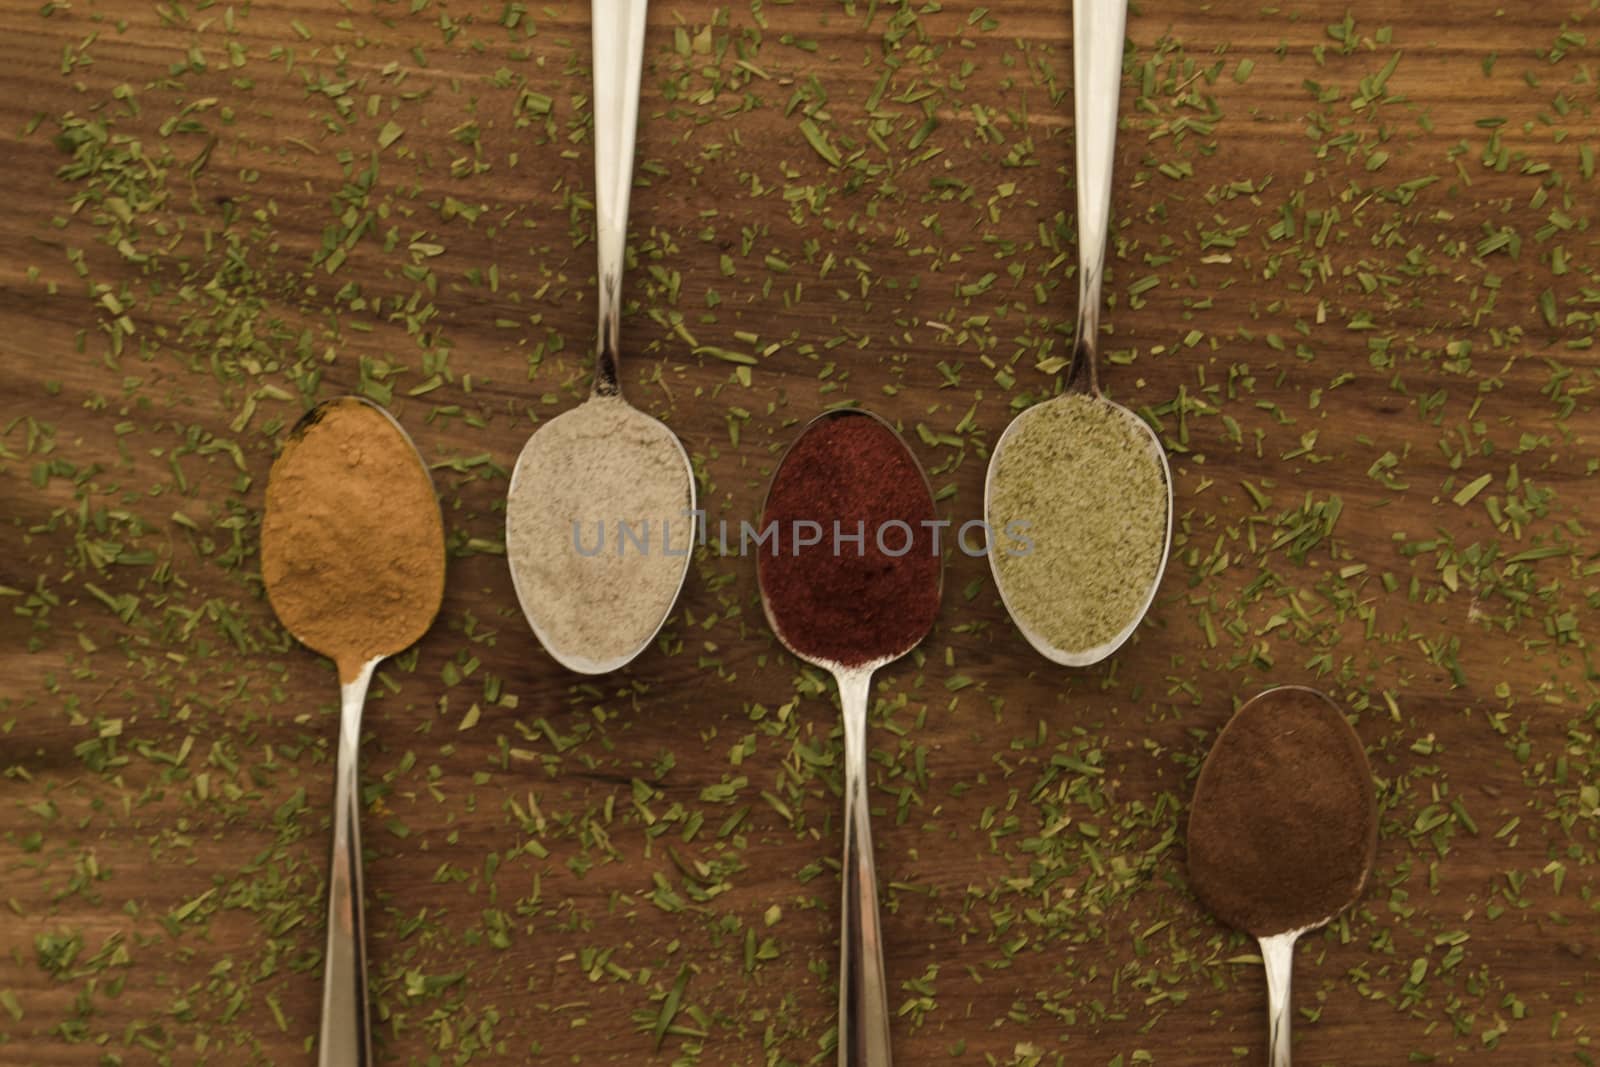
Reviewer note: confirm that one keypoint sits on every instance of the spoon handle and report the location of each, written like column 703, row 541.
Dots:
column 618, row 29
column 1277, row 954
column 1098, row 28
column 863, row 986
column 346, row 1039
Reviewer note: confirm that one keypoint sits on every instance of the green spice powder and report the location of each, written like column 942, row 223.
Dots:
column 1087, row 489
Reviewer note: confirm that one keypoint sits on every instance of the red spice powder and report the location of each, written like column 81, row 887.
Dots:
column 850, row 606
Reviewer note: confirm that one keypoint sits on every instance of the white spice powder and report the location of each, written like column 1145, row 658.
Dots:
column 598, row 532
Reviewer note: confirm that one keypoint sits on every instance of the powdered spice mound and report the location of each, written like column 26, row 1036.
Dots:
column 352, row 543
column 1284, row 824
column 1092, row 498
column 594, row 596
column 832, row 600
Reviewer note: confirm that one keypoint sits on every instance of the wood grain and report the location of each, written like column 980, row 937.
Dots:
column 540, row 882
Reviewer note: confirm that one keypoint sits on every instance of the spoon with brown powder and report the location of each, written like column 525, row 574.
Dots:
column 1283, row 830
column 352, row 556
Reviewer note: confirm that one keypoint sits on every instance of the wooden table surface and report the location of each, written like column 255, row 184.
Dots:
column 1354, row 282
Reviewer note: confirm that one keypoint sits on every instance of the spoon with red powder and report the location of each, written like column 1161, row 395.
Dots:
column 850, row 578
column 1283, row 830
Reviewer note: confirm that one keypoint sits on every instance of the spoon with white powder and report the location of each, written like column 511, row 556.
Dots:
column 599, row 513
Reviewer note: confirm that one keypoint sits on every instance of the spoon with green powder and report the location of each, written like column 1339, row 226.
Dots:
column 1283, row 830
column 1078, row 491
column 352, row 557
column 599, row 509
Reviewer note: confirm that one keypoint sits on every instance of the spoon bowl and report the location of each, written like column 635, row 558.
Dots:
column 1287, row 759
column 545, row 453
column 766, row 602
column 1136, row 434
column 312, row 630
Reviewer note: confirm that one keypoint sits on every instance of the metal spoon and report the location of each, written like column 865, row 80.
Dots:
column 1098, row 28
column 863, row 985
column 345, row 1039
column 618, row 28
column 1277, row 949
column 1277, row 956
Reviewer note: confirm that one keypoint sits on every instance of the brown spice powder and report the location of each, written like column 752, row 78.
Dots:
column 1284, row 824
column 352, row 542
